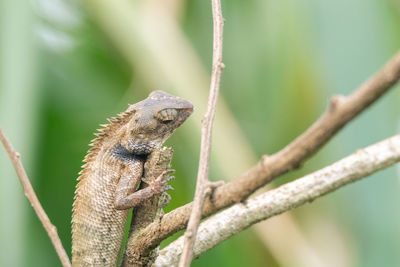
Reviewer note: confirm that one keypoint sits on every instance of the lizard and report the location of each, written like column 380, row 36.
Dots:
column 113, row 169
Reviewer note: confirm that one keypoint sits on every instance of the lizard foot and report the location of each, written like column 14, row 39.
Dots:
column 160, row 184
column 164, row 200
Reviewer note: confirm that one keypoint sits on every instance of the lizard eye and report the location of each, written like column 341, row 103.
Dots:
column 167, row 115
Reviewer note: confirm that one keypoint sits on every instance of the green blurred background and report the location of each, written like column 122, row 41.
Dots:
column 67, row 66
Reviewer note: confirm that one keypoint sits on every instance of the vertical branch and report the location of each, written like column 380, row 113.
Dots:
column 30, row 194
column 202, row 175
column 137, row 253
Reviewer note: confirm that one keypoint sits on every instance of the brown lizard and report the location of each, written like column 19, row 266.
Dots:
column 114, row 166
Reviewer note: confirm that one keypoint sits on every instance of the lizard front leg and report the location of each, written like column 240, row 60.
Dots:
column 126, row 195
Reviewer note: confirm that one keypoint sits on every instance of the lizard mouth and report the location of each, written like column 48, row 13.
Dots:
column 186, row 112
column 189, row 108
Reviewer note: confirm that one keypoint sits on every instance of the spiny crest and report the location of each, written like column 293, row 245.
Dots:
column 95, row 145
column 108, row 129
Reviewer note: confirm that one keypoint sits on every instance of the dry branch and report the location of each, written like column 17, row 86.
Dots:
column 341, row 111
column 148, row 211
column 206, row 132
column 30, row 194
column 289, row 196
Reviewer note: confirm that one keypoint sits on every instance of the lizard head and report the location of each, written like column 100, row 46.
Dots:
column 153, row 121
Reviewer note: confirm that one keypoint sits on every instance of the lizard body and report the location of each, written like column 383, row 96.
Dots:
column 114, row 166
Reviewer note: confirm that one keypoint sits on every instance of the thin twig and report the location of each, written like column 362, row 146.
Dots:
column 231, row 221
column 30, row 194
column 341, row 111
column 206, row 132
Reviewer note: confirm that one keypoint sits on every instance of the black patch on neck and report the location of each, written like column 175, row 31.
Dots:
column 121, row 153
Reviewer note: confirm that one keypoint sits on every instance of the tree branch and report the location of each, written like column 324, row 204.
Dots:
column 149, row 211
column 30, row 194
column 341, row 111
column 229, row 222
column 202, row 175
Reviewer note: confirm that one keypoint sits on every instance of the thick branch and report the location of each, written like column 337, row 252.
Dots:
column 148, row 211
column 202, row 175
column 289, row 196
column 30, row 194
column 340, row 112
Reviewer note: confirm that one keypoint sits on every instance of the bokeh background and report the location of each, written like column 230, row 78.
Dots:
column 66, row 66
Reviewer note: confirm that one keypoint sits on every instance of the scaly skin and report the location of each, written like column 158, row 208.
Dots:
column 113, row 170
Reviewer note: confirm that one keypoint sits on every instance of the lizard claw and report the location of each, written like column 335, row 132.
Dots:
column 161, row 176
column 164, row 200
